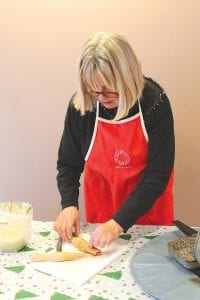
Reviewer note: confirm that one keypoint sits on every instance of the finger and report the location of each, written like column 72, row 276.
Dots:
column 95, row 237
column 77, row 228
column 69, row 231
column 57, row 227
column 102, row 243
column 105, row 240
column 58, row 223
column 96, row 241
column 109, row 241
column 91, row 241
column 63, row 231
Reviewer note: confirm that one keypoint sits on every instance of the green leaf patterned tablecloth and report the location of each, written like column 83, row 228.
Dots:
column 19, row 281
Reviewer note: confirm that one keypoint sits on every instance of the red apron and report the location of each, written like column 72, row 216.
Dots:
column 114, row 165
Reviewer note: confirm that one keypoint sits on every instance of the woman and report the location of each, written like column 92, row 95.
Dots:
column 119, row 130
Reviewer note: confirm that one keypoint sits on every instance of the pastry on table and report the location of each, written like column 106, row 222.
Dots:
column 83, row 245
column 57, row 256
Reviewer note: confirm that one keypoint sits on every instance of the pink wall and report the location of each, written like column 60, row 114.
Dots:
column 39, row 45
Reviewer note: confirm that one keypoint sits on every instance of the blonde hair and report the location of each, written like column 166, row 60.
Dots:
column 110, row 56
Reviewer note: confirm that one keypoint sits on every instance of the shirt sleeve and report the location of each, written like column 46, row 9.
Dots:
column 161, row 151
column 70, row 161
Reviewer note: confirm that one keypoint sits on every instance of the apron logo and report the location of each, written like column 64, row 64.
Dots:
column 121, row 158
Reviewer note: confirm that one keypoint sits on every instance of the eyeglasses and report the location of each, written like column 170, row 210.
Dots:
column 111, row 95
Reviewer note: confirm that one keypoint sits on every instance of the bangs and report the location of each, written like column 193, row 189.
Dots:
column 103, row 69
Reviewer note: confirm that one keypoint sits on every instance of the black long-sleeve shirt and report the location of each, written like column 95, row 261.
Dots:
column 76, row 138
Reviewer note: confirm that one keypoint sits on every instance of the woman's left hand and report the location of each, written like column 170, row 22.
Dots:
column 105, row 234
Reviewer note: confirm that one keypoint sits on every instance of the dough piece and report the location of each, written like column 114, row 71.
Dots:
column 57, row 256
column 83, row 245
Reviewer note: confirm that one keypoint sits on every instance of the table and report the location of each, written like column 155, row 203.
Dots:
column 19, row 281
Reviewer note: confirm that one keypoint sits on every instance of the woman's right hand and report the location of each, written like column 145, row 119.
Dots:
column 67, row 220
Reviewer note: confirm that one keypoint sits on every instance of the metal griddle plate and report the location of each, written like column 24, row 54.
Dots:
column 160, row 275
column 197, row 248
column 183, row 250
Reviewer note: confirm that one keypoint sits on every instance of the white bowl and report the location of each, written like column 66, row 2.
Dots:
column 15, row 225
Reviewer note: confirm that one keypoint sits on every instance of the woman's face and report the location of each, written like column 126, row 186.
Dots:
column 109, row 100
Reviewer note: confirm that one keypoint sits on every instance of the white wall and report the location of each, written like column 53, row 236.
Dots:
column 40, row 41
